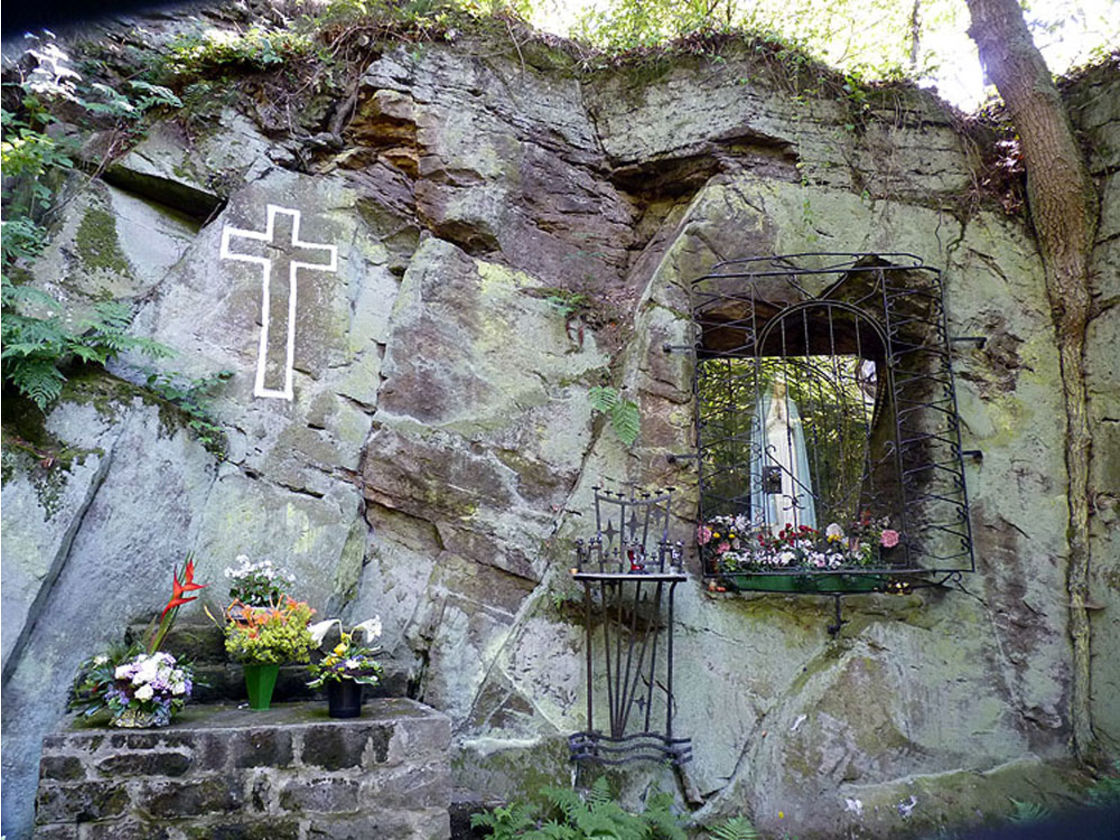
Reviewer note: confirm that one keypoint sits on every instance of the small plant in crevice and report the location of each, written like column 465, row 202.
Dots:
column 570, row 305
column 622, row 413
column 571, row 815
column 192, row 397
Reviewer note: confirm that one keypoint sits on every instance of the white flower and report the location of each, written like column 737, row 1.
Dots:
column 144, row 692
column 100, row 659
column 149, row 667
column 319, row 629
column 371, row 627
column 123, row 672
column 178, row 687
column 786, row 557
column 352, row 664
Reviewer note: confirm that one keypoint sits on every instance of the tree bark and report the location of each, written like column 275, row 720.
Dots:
column 1064, row 209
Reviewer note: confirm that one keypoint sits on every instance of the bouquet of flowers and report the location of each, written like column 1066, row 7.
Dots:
column 259, row 584
column 269, row 635
column 145, row 689
column 733, row 544
column 139, row 684
column 348, row 660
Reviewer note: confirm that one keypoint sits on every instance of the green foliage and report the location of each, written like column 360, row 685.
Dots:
column 418, row 14
column 872, row 37
column 192, row 397
column 572, row 816
column 623, row 414
column 38, row 342
column 255, row 49
column 28, row 157
column 506, row 822
column 1028, row 812
column 269, row 635
column 736, row 828
column 119, row 106
column 1105, row 792
column 568, row 304
column 37, row 348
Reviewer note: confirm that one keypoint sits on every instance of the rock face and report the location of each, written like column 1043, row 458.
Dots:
column 508, row 233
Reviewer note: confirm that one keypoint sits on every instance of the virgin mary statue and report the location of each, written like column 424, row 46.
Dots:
column 778, row 452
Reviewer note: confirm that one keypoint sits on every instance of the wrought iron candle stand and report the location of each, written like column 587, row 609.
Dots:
column 626, row 586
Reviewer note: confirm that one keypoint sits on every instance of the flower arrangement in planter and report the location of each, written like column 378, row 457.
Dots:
column 140, row 685
column 732, row 544
column 347, row 667
column 272, row 635
column 264, row 638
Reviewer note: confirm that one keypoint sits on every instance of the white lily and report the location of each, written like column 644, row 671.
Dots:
column 319, row 630
column 371, row 627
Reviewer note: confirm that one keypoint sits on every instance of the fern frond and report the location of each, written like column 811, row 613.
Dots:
column 626, row 421
column 603, row 398
column 736, row 828
column 26, row 336
column 505, row 822
column 600, row 793
column 1028, row 812
column 14, row 295
column 36, row 378
column 566, row 800
column 660, row 817
column 553, row 830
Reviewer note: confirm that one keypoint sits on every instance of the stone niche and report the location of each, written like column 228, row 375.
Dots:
column 285, row 773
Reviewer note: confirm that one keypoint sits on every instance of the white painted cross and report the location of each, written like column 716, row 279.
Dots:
column 266, row 254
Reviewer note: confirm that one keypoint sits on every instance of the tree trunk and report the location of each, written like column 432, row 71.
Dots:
column 1064, row 210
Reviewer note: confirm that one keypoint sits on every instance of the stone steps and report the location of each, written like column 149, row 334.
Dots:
column 288, row 773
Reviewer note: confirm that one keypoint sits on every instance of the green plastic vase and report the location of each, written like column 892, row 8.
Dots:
column 260, row 680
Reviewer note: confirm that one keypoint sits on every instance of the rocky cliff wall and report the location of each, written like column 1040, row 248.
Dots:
column 439, row 444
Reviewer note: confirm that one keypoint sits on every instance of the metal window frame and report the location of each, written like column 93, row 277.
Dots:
column 903, row 300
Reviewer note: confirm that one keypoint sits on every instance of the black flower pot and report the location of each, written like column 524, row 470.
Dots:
column 344, row 699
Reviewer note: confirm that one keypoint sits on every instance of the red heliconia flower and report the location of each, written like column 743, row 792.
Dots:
column 179, row 588
column 188, row 583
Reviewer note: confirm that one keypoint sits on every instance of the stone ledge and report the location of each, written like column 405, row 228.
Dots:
column 287, row 771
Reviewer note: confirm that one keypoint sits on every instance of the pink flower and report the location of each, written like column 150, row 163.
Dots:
column 722, row 547
column 703, row 535
column 889, row 538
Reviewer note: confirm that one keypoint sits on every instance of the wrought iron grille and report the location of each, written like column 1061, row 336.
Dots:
column 629, row 571
column 829, row 444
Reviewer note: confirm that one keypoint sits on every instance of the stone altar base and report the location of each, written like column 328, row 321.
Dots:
column 288, row 773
